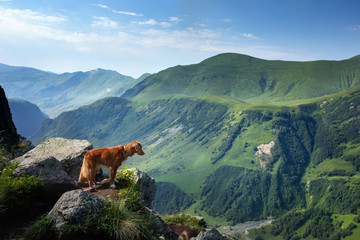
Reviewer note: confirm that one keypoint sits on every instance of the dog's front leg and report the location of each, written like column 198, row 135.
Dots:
column 112, row 177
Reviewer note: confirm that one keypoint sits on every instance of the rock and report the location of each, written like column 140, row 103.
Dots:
column 212, row 234
column 146, row 185
column 264, row 153
column 56, row 180
column 8, row 133
column 161, row 227
column 76, row 207
column 69, row 152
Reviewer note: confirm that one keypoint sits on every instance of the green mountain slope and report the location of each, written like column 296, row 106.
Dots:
column 232, row 161
column 251, row 79
column 56, row 93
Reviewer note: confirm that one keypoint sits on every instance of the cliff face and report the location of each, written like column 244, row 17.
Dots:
column 8, row 133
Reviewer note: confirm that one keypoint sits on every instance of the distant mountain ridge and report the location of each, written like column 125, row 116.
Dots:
column 26, row 116
column 55, row 93
column 251, row 79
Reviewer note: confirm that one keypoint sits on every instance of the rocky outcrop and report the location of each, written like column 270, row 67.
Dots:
column 57, row 161
column 263, row 153
column 212, row 234
column 69, row 152
column 56, row 180
column 146, row 185
column 76, row 207
column 8, row 133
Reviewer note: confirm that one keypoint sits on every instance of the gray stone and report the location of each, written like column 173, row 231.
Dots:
column 212, row 234
column 147, row 187
column 48, row 168
column 69, row 152
column 56, row 180
column 76, row 207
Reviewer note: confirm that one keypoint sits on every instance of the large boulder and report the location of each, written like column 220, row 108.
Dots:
column 56, row 180
column 76, row 207
column 69, row 152
column 212, row 234
column 147, row 187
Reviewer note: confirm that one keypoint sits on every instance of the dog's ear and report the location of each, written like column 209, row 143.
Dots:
column 137, row 146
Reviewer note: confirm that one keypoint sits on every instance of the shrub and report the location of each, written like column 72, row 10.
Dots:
column 132, row 198
column 43, row 229
column 185, row 220
column 4, row 157
column 17, row 193
column 126, row 178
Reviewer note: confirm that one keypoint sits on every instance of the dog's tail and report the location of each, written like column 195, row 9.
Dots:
column 82, row 178
column 84, row 172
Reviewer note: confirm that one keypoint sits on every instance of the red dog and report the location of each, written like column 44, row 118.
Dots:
column 111, row 158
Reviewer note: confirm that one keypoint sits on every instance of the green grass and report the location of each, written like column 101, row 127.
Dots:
column 184, row 220
column 42, row 229
column 264, row 233
column 17, row 193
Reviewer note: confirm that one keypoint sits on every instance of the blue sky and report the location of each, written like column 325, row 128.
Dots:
column 139, row 36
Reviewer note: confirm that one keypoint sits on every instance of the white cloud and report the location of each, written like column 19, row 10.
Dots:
column 355, row 28
column 104, row 23
column 116, row 11
column 30, row 15
column 101, row 6
column 199, row 24
column 175, row 19
column 153, row 22
column 226, row 20
column 127, row 13
column 249, row 35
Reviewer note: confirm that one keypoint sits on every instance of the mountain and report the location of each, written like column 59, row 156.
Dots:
column 55, row 93
column 251, row 79
column 27, row 116
column 229, row 158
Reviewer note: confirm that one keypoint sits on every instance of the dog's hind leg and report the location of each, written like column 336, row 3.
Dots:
column 91, row 178
column 94, row 176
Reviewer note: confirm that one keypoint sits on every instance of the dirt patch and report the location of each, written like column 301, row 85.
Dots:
column 102, row 190
column 185, row 232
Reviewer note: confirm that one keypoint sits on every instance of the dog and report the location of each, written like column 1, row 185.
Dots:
column 111, row 158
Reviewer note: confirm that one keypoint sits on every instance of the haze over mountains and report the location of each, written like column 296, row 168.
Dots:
column 236, row 138
column 26, row 116
column 56, row 93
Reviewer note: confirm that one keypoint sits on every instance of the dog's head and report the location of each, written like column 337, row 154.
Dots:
column 134, row 147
